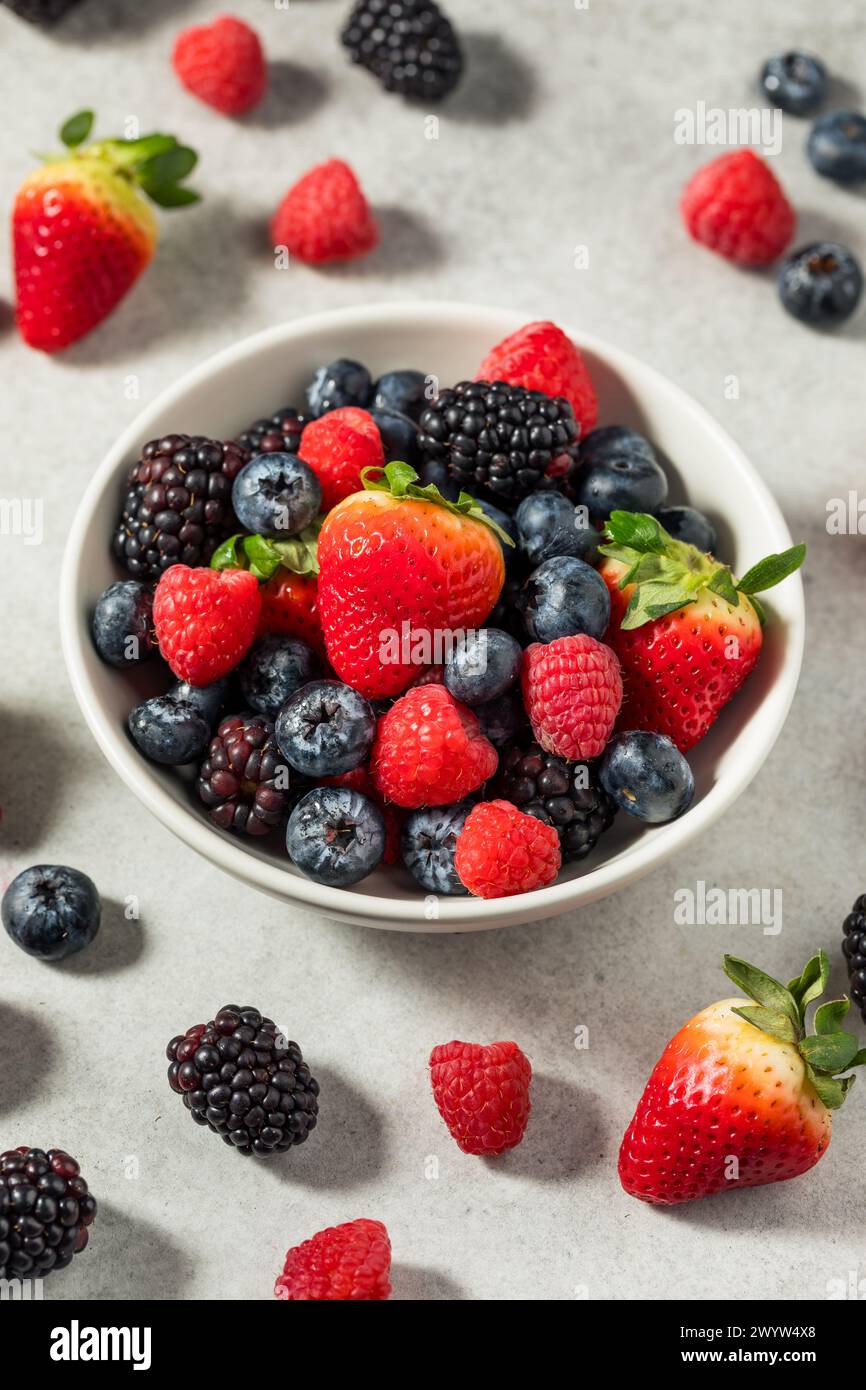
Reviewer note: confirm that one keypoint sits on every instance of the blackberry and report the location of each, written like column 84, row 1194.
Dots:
column 239, row 1076
column 280, row 434
column 178, row 507
column 503, row 438
column 45, row 1210
column 566, row 795
column 409, row 45
column 854, row 951
column 244, row 781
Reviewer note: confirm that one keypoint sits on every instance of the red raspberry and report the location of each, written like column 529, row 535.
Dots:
column 325, row 216
column 359, row 780
column 222, row 64
column 337, row 446
column 352, row 1261
column 502, row 851
column 205, row 620
column 736, row 206
column 430, row 750
column 572, row 690
column 290, row 607
column 482, row 1093
column 541, row 357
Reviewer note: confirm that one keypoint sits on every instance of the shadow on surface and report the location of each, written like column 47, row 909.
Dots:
column 125, row 1258
column 294, row 92
column 410, row 1283
column 563, row 1135
column 345, row 1150
column 118, row 944
column 27, row 1049
column 498, row 85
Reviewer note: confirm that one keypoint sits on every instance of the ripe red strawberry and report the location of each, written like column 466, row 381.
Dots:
column 290, row 607
column 352, row 1261
column 205, row 620
column 222, row 64
column 360, row 780
column 502, row 851
column 686, row 632
column 430, row 750
column 736, row 206
column 541, row 357
column 741, row 1096
column 399, row 570
column 482, row 1093
column 572, row 690
column 325, row 216
column 338, row 447
column 83, row 229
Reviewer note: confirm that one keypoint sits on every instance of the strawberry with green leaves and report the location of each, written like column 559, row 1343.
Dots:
column 743, row 1094
column 687, row 633
column 83, row 228
column 288, row 572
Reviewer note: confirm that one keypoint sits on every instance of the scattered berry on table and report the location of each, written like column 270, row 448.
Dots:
column 239, row 1076
column 837, row 146
column 735, row 205
column 854, row 951
column 482, row 1094
column 209, row 700
column 563, row 794
column 273, row 670
column 343, row 382
column 410, row 46
column 404, row 392
column 482, row 666
column 647, row 776
column 430, row 750
column 122, row 623
column 336, row 836
column 222, row 64
column 51, row 911
column 689, row 525
column 619, row 470
column 205, row 620
column 170, row 731
column 337, row 447
column 796, row 82
column 244, row 781
column 290, row 608
column 501, row 719
column 821, row 284
column 279, row 433
column 276, row 495
column 325, row 728
column 540, row 357
column 399, row 435
column 344, row 1263
column 428, row 845
column 572, row 690
column 325, row 217
column 45, row 1212
column 549, row 525
column 501, row 851
column 562, row 597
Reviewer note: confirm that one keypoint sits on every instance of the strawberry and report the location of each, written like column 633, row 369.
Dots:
column 289, row 590
column 400, row 570
column 742, row 1095
column 83, row 230
column 686, row 632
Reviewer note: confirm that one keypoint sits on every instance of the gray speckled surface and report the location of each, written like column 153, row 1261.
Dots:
column 561, row 136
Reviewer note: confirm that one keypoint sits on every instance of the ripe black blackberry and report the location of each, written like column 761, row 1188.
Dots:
column 239, row 1076
column 45, row 1210
column 501, row 438
column 409, row 45
column 562, row 794
column 244, row 780
column 179, row 504
column 280, row 433
column 854, row 951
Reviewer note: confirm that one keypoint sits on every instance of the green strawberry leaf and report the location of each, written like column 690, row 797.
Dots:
column 830, row 1015
column 832, row 1052
column 167, row 167
column 75, row 131
column 638, row 531
column 831, row 1090
column 772, row 570
column 263, row 558
column 300, row 553
column 227, row 556
column 812, row 983
column 722, row 583
column 772, row 1021
column 859, row 1058
column 401, row 481
column 172, row 196
column 762, row 988
column 653, row 600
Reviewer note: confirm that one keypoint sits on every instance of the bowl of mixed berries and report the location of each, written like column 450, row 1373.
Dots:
column 429, row 618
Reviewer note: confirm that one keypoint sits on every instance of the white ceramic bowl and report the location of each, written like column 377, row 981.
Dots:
column 260, row 374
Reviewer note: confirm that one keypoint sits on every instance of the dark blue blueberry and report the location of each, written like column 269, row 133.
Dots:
column 273, row 670
column 325, row 729
column 428, row 843
column 170, row 731
column 647, row 776
column 399, row 436
column 404, row 391
column 506, row 524
column 689, row 525
column 51, row 911
column 340, row 383
column 795, row 82
column 336, row 836
column 562, row 597
column 209, row 700
column 837, row 146
column 549, row 525
column 123, row 623
column 619, row 471
column 821, row 284
column 501, row 719
column 482, row 665
column 436, row 471
column 276, row 495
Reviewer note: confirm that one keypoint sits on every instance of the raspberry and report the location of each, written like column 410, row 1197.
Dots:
column 325, row 216
column 482, row 1094
column 348, row 1262
column 359, row 780
column 736, row 206
column 430, row 750
column 501, row 851
column 222, row 64
column 541, row 357
column 572, row 690
column 337, row 446
column 290, row 608
column 205, row 620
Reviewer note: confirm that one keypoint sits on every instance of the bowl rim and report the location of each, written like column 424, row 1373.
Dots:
column 452, row 914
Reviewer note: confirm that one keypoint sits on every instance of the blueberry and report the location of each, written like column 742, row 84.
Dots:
column 404, row 391
column 620, row 470
column 689, row 525
column 562, row 597
column 336, row 836
column 428, row 843
column 51, row 911
column 273, row 670
column 647, row 776
column 209, row 700
column 168, row 730
column 795, row 82
column 837, row 146
column 482, row 665
column 505, row 523
column 821, row 284
column 399, row 435
column 549, row 525
column 436, row 471
column 340, row 383
column 500, row 719
column 123, row 623
column 325, row 729
column 276, row 495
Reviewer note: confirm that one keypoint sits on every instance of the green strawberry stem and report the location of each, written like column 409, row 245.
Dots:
column 263, row 556
column 780, row 1011
column 158, row 164
column 400, row 480
column 669, row 574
